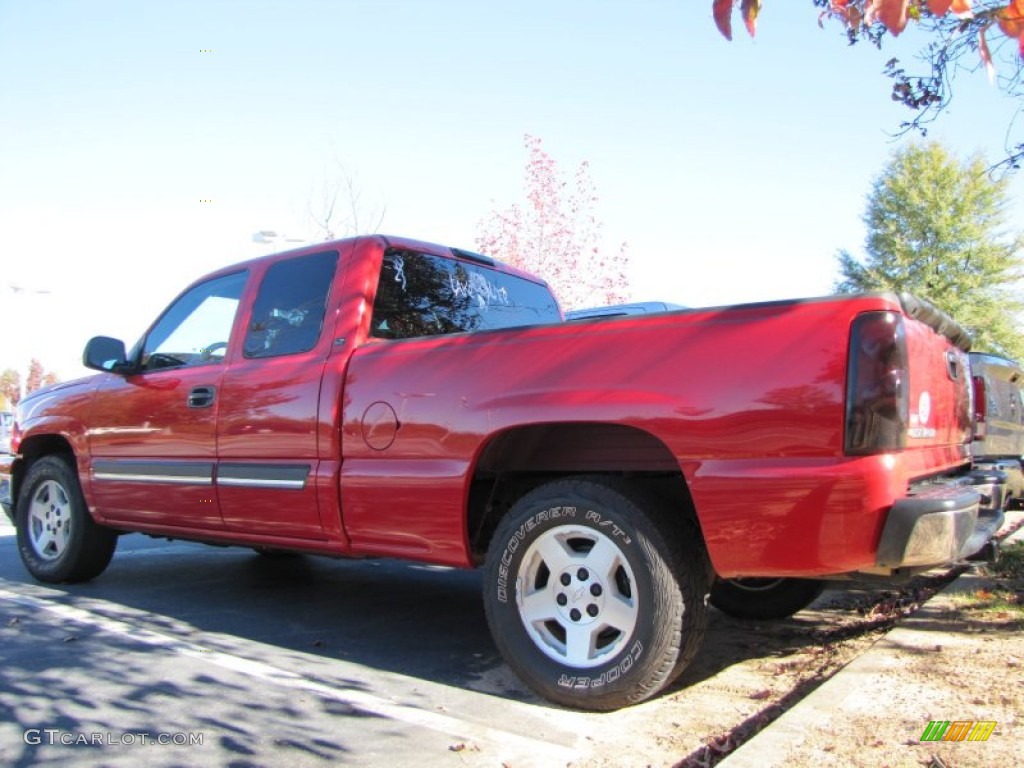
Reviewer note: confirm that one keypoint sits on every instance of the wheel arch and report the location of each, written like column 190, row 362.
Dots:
column 516, row 460
column 31, row 450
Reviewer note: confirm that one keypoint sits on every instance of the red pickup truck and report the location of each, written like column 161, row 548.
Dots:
column 379, row 396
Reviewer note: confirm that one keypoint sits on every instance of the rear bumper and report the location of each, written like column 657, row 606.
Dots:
column 939, row 524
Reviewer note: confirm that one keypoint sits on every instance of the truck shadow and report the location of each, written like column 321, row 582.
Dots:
column 420, row 621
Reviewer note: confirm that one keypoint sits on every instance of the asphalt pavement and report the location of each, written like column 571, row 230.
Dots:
column 193, row 640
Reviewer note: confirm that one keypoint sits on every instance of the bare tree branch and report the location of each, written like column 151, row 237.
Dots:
column 360, row 218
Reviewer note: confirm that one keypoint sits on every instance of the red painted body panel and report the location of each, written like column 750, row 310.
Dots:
column 292, row 513
column 59, row 410
column 148, row 418
column 748, row 403
column 752, row 407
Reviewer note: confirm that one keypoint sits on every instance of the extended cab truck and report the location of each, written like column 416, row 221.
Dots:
column 386, row 397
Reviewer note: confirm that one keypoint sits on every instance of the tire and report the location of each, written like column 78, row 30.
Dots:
column 591, row 597
column 57, row 537
column 763, row 599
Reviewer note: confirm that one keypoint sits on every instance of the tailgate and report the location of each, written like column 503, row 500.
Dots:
column 939, row 384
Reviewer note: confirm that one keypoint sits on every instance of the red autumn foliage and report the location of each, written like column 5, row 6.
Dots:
column 894, row 15
column 557, row 235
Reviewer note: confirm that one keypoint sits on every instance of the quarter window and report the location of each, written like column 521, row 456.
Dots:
column 423, row 295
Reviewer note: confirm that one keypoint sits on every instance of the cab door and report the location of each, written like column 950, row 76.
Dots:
column 267, row 442
column 153, row 435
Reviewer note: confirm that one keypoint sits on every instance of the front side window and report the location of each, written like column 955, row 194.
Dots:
column 423, row 295
column 196, row 328
column 288, row 313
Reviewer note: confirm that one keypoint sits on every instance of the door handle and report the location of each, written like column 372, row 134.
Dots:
column 201, row 397
column 953, row 365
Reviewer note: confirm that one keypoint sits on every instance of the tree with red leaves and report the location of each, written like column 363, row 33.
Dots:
column 10, row 388
column 34, row 380
column 556, row 235
column 991, row 30
column 38, row 377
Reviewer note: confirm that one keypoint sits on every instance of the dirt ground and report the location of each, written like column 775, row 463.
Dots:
column 959, row 658
column 750, row 673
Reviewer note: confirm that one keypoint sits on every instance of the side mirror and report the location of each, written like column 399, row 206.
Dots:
column 103, row 353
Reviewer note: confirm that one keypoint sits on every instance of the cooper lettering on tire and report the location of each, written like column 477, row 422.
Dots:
column 57, row 537
column 594, row 593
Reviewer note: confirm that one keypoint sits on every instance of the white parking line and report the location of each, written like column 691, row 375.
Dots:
column 451, row 726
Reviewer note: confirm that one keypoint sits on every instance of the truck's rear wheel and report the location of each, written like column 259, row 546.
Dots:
column 590, row 598
column 764, row 598
column 57, row 537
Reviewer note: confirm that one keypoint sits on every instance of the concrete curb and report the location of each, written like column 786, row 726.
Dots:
column 852, row 689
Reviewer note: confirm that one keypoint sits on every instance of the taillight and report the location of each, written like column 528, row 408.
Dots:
column 980, row 406
column 877, row 385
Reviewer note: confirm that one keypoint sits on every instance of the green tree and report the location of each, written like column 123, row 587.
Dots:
column 936, row 227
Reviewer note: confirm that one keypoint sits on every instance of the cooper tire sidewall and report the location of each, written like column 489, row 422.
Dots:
column 504, row 569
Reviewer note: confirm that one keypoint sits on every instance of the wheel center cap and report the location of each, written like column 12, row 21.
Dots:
column 579, row 596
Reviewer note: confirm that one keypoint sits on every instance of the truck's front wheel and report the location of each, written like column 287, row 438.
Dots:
column 590, row 597
column 57, row 537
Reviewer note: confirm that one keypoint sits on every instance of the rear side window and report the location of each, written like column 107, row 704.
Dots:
column 288, row 314
column 423, row 295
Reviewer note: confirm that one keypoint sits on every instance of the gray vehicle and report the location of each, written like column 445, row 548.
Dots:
column 6, row 422
column 999, row 419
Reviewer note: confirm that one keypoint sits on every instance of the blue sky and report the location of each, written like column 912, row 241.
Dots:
column 734, row 171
